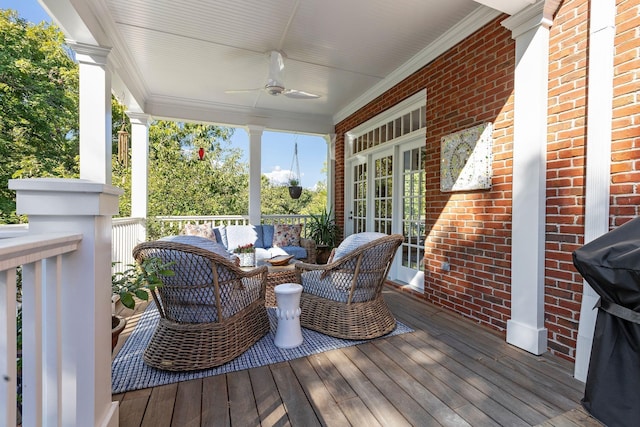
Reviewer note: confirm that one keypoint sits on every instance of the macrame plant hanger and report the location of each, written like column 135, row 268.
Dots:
column 295, row 189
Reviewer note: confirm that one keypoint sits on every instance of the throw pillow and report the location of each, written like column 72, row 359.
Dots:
column 202, row 230
column 286, row 235
column 353, row 242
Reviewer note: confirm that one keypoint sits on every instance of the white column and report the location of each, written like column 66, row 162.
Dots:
column 599, row 116
column 331, row 169
column 530, row 30
column 79, row 206
column 139, row 163
column 255, row 174
column 95, row 112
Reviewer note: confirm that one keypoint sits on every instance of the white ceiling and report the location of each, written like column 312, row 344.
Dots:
column 176, row 58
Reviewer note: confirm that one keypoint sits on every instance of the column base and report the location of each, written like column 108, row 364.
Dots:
column 533, row 340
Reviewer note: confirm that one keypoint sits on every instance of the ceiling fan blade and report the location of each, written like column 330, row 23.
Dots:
column 243, row 90
column 298, row 94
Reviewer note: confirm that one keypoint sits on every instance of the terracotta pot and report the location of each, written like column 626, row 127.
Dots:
column 117, row 326
column 322, row 254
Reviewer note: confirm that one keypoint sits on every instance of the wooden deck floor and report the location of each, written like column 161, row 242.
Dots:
column 448, row 372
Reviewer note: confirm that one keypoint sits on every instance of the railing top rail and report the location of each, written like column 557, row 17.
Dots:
column 199, row 217
column 26, row 249
column 126, row 220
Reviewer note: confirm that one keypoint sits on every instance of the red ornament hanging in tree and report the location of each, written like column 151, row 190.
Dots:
column 201, row 153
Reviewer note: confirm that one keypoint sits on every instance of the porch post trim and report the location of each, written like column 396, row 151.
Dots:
column 602, row 33
column 255, row 166
column 140, row 123
column 82, row 207
column 530, row 29
column 331, row 169
column 94, row 111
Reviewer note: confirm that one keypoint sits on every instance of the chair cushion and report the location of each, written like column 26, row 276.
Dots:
column 200, row 242
column 354, row 241
column 334, row 287
column 298, row 252
column 286, row 235
column 202, row 230
column 238, row 235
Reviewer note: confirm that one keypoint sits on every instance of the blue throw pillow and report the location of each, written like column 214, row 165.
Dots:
column 267, row 235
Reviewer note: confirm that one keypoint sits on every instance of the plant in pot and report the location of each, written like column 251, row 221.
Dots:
column 324, row 231
column 295, row 190
column 135, row 282
column 246, row 254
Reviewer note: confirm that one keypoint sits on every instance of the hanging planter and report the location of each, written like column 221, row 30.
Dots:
column 295, row 189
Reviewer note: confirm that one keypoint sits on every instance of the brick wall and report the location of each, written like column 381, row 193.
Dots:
column 566, row 171
column 473, row 83
column 469, row 85
column 565, row 174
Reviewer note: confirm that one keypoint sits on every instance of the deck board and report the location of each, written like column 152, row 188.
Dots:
column 448, row 372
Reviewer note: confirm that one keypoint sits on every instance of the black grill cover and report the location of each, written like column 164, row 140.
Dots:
column 611, row 265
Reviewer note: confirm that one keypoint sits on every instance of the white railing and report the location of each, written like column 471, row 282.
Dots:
column 42, row 258
column 13, row 230
column 173, row 224
column 126, row 233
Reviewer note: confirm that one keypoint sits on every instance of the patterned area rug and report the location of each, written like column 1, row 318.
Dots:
column 129, row 372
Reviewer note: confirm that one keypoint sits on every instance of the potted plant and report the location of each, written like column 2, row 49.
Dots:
column 295, row 190
column 246, row 254
column 135, row 281
column 324, row 231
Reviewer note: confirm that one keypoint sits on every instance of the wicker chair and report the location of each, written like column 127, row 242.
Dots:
column 210, row 310
column 344, row 297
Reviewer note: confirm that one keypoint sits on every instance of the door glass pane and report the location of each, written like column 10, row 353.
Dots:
column 413, row 215
column 383, row 179
column 359, row 211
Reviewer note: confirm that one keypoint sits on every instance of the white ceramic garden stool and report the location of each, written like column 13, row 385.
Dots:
column 288, row 333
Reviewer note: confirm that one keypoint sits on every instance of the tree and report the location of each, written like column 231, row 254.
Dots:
column 39, row 98
column 179, row 183
column 276, row 199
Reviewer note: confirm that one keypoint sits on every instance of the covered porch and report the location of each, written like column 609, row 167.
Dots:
column 495, row 265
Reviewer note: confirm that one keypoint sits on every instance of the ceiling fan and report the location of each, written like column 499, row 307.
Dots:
column 275, row 82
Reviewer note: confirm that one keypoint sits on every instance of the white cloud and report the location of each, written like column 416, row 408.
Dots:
column 279, row 176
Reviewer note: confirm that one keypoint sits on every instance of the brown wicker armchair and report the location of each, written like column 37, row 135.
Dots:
column 344, row 298
column 210, row 310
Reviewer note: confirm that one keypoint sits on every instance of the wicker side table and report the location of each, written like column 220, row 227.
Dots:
column 277, row 276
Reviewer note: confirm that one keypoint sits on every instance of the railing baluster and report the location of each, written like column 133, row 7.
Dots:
column 8, row 383
column 32, row 344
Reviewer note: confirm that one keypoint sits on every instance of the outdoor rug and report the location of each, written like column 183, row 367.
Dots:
column 129, row 372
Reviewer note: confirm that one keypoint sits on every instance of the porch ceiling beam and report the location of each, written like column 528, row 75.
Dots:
column 190, row 110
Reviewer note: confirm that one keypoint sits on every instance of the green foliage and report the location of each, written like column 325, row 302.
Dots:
column 138, row 278
column 179, row 183
column 275, row 200
column 323, row 229
column 39, row 98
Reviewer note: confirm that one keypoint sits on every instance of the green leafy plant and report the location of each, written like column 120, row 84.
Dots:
column 294, row 182
column 138, row 278
column 323, row 229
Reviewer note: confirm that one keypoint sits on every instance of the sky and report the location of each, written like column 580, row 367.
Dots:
column 277, row 147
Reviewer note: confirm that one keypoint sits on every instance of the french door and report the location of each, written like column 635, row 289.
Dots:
column 388, row 195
